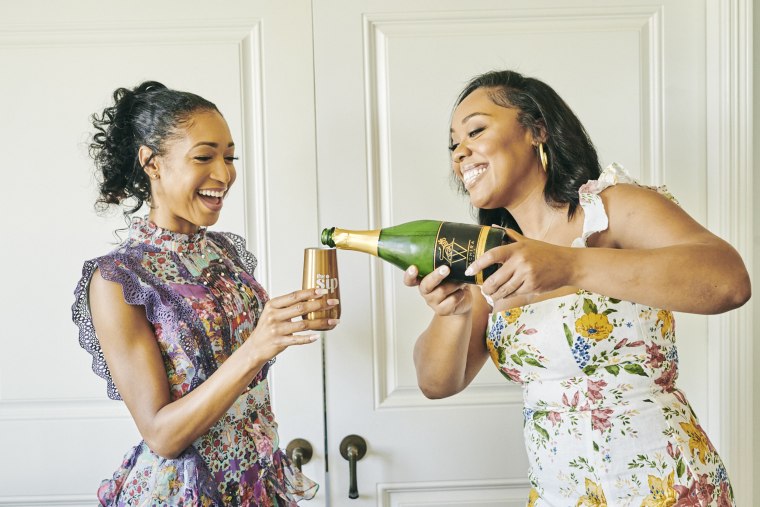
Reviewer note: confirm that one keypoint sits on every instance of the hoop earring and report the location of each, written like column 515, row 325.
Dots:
column 542, row 156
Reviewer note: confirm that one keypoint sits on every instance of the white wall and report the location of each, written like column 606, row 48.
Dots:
column 756, row 214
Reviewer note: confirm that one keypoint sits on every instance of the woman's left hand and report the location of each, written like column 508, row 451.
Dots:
column 528, row 268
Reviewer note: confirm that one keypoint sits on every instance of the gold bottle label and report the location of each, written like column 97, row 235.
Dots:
column 457, row 246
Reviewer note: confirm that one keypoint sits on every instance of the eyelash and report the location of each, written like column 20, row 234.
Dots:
column 470, row 134
column 206, row 159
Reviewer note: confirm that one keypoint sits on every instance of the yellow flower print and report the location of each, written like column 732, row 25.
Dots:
column 165, row 489
column 493, row 352
column 512, row 314
column 697, row 439
column 661, row 492
column 174, row 486
column 666, row 318
column 594, row 325
column 594, row 496
column 177, row 378
column 532, row 497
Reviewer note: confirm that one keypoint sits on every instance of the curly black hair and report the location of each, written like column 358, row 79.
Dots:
column 572, row 158
column 147, row 115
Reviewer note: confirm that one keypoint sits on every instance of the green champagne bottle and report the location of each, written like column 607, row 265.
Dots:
column 428, row 244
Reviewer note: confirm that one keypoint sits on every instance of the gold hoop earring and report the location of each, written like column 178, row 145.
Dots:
column 542, row 156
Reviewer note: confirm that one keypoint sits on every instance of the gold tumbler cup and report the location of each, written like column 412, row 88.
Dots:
column 320, row 271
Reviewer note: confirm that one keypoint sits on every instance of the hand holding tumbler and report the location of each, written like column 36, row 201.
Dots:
column 320, row 271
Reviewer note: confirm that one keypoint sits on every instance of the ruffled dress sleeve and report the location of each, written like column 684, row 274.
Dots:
column 595, row 217
column 80, row 312
column 135, row 293
column 164, row 309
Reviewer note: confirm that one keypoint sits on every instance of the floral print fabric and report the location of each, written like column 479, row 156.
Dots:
column 203, row 302
column 604, row 421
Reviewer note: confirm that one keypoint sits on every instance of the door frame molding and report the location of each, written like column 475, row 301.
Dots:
column 729, row 215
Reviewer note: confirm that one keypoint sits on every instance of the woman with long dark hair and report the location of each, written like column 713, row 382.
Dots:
column 580, row 310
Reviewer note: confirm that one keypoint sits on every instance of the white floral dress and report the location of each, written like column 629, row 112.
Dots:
column 605, row 424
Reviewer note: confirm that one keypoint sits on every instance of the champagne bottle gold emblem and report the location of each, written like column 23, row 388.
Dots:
column 459, row 246
column 453, row 252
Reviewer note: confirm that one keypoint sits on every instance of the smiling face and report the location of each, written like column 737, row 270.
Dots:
column 493, row 154
column 190, row 180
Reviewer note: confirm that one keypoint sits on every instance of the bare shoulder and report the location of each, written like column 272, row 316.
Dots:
column 629, row 196
column 112, row 315
column 100, row 287
column 642, row 217
column 106, row 294
column 129, row 345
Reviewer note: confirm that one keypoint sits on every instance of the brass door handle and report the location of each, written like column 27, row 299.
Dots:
column 299, row 451
column 353, row 448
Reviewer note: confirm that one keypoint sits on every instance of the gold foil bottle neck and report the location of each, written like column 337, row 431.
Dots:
column 360, row 241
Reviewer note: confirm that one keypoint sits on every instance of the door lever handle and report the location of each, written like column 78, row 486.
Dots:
column 299, row 451
column 353, row 448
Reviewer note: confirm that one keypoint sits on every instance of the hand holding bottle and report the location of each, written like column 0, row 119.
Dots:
column 443, row 296
column 528, row 268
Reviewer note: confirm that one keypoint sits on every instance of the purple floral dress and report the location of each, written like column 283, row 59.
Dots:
column 604, row 422
column 202, row 300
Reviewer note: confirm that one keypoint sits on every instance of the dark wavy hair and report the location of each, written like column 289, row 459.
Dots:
column 572, row 158
column 147, row 115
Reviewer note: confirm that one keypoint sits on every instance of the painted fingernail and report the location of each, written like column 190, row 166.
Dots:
column 333, row 301
column 469, row 271
column 410, row 270
column 443, row 270
column 333, row 322
column 320, row 292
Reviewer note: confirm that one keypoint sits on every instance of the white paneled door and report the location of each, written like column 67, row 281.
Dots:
column 634, row 71
column 59, row 434
column 342, row 110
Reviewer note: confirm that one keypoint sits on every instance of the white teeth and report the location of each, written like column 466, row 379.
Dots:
column 212, row 193
column 471, row 172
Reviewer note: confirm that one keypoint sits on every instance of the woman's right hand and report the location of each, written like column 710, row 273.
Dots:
column 445, row 298
column 276, row 324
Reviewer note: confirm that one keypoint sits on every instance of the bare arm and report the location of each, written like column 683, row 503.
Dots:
column 134, row 360
column 652, row 253
column 452, row 350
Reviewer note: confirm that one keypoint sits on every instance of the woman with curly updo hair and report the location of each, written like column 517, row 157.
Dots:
column 579, row 310
column 174, row 319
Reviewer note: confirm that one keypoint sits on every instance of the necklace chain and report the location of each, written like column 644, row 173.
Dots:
column 548, row 226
